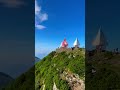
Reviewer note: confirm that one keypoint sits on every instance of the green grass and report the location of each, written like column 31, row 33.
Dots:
column 48, row 70
column 107, row 76
column 54, row 64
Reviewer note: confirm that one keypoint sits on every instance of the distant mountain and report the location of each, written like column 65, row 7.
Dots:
column 37, row 59
column 56, row 71
column 4, row 79
column 26, row 81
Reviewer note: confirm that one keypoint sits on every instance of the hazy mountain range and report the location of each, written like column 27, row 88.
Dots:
column 37, row 59
column 5, row 79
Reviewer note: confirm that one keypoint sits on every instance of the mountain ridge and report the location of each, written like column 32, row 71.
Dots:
column 50, row 69
column 56, row 71
column 5, row 79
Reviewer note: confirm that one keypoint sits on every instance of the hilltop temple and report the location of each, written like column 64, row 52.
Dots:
column 64, row 46
column 76, row 43
column 100, row 41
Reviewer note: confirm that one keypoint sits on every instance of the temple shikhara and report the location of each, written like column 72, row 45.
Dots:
column 100, row 41
column 76, row 43
column 64, row 46
column 64, row 43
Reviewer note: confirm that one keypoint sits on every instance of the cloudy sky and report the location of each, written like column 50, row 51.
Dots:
column 12, row 3
column 56, row 20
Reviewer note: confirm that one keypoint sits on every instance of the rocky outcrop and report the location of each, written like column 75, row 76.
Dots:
column 73, row 80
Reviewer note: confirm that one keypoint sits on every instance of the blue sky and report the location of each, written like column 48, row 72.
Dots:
column 104, row 14
column 56, row 20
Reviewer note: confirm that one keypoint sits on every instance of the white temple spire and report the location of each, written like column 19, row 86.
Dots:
column 76, row 43
column 100, row 40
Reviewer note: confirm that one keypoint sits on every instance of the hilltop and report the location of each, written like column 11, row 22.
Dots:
column 63, row 71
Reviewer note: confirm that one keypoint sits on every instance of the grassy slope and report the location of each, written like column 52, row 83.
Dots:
column 24, row 81
column 49, row 69
column 107, row 76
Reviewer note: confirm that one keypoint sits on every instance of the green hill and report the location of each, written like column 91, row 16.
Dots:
column 107, row 71
column 26, row 81
column 58, row 68
column 64, row 71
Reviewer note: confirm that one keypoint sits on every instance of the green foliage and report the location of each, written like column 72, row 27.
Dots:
column 48, row 71
column 24, row 82
column 108, row 55
column 50, row 68
column 107, row 75
column 64, row 85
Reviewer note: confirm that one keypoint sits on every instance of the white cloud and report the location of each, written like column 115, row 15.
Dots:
column 41, row 27
column 37, row 8
column 43, row 17
column 12, row 3
column 39, row 16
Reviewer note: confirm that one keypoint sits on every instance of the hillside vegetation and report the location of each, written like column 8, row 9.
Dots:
column 58, row 68
column 26, row 81
column 63, row 71
column 103, row 71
